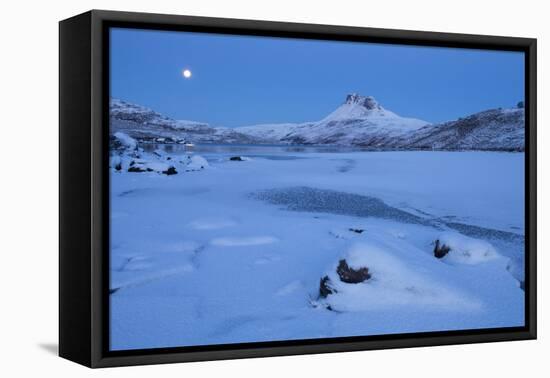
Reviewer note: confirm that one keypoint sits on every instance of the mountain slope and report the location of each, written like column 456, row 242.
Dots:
column 359, row 121
column 359, row 108
column 495, row 129
column 146, row 125
column 274, row 133
column 362, row 121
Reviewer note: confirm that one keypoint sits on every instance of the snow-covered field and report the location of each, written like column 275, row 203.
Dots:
column 235, row 252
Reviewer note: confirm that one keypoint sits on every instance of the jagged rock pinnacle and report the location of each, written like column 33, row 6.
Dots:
column 368, row 102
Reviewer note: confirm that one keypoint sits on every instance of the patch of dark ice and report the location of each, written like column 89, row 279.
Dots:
column 334, row 202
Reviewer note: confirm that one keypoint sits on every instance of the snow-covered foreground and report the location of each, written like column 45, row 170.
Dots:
column 235, row 252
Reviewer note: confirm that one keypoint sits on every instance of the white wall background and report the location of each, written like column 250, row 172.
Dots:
column 28, row 189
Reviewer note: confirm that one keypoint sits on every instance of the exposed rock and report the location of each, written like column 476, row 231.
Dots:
column 135, row 168
column 441, row 249
column 236, row 158
column 346, row 274
column 170, row 171
column 115, row 144
column 368, row 102
column 357, row 230
column 350, row 275
column 325, row 288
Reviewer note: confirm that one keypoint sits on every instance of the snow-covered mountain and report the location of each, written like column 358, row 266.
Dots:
column 146, row 125
column 359, row 121
column 362, row 121
column 365, row 109
column 273, row 132
column 125, row 111
column 495, row 129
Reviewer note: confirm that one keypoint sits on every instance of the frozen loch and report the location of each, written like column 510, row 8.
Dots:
column 304, row 242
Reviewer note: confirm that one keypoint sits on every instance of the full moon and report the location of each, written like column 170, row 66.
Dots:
column 186, row 73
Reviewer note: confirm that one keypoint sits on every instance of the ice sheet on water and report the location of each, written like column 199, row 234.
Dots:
column 330, row 201
column 486, row 233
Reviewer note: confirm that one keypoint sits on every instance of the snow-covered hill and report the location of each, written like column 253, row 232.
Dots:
column 362, row 121
column 274, row 133
column 363, row 109
column 125, row 111
column 146, row 125
column 359, row 121
column 495, row 129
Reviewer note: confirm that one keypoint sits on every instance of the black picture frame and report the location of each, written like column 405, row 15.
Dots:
column 84, row 187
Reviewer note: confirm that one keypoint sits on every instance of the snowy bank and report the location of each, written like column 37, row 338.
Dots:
column 456, row 248
column 127, row 156
column 390, row 281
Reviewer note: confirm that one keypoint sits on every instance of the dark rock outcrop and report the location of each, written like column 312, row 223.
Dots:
column 367, row 102
column 170, row 171
column 350, row 275
column 345, row 274
column 325, row 288
column 440, row 249
column 115, row 144
column 138, row 169
column 236, row 158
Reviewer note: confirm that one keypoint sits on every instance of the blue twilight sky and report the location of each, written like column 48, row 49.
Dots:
column 243, row 80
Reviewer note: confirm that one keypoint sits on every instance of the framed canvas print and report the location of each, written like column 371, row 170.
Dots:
column 234, row 188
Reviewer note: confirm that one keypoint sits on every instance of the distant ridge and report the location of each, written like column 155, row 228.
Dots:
column 358, row 121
